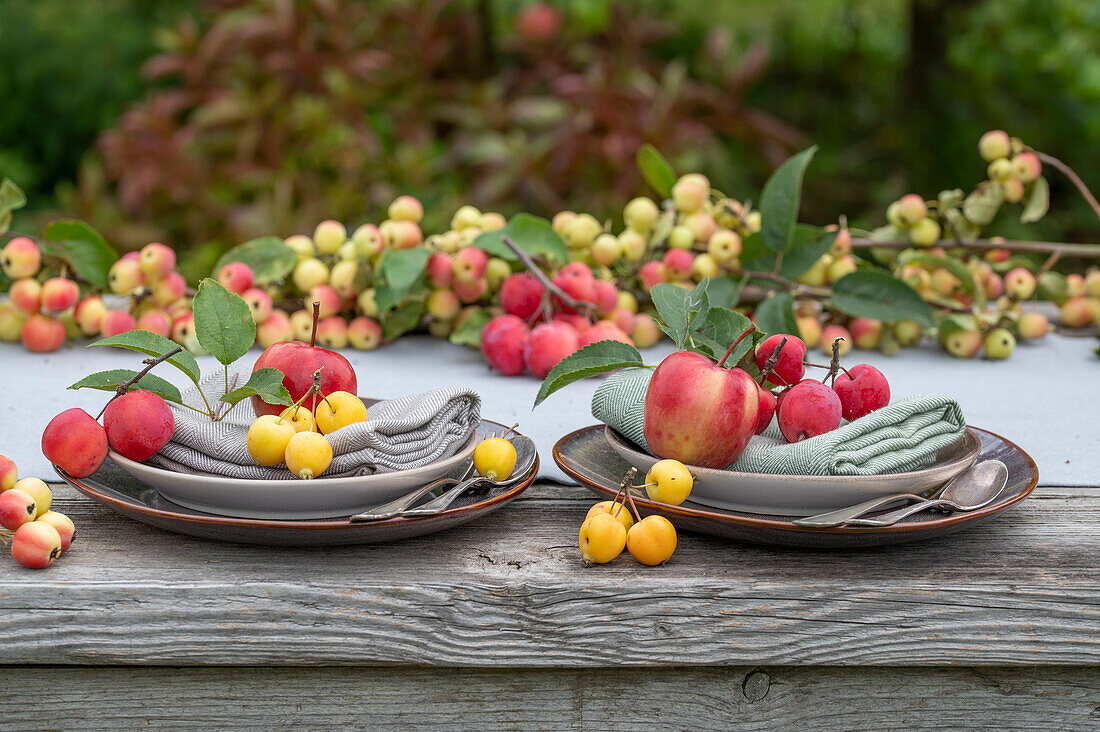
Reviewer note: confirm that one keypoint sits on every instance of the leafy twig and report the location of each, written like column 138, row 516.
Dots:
column 588, row 308
column 124, row 387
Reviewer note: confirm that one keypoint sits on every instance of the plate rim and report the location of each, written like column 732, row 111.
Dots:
column 968, row 457
column 789, row 526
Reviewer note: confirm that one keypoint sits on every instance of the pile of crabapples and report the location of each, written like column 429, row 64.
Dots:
column 37, row 535
column 806, row 407
column 296, row 436
column 610, row 526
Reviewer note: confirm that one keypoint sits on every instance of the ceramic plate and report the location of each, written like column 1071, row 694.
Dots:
column 587, row 456
column 805, row 495
column 286, row 499
column 130, row 497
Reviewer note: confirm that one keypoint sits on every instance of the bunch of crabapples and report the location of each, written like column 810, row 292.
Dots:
column 297, row 436
column 38, row 536
column 610, row 527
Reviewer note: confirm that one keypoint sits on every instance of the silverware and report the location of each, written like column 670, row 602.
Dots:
column 970, row 490
column 393, row 508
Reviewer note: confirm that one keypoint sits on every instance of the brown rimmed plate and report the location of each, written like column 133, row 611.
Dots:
column 126, row 495
column 586, row 456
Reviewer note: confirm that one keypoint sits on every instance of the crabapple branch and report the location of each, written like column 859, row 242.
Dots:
column 1040, row 247
column 1073, row 178
column 570, row 301
column 150, row 363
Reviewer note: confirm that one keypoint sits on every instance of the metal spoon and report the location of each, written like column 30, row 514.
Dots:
column 975, row 481
column 973, row 489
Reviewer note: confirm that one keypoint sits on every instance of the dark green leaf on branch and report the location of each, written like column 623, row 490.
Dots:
column 595, row 358
column 269, row 257
column 111, row 380
column 81, row 247
column 781, row 199
column 807, row 246
column 223, row 322
column 875, row 294
column 719, row 328
column 267, row 384
column 151, row 344
column 11, row 198
column 776, row 315
column 983, row 203
column 402, row 319
column 678, row 308
column 468, row 332
column 532, row 234
column 656, row 170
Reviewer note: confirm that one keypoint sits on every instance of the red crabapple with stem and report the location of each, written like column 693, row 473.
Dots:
column 862, row 389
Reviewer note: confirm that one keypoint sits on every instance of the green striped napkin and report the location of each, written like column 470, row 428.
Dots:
column 900, row 437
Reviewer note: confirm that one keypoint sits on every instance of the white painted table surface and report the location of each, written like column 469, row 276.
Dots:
column 1045, row 398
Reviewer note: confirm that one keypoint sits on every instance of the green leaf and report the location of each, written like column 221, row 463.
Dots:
column 11, row 198
column 81, row 247
column 151, row 344
column 595, row 358
column 468, row 332
column 983, row 203
column 223, row 322
column 951, row 264
column 724, row 292
column 655, row 169
column 1037, row 201
column 780, row 200
column 776, row 315
column 269, row 257
column 111, row 380
column 807, row 246
column 717, row 330
column 875, row 294
column 398, row 271
column 267, row 384
column 401, row 320
column 677, row 308
column 531, row 234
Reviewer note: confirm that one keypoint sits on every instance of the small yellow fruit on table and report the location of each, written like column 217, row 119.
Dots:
column 268, row 437
column 602, row 538
column 495, row 458
column 668, row 481
column 339, row 409
column 616, row 509
column 652, row 540
column 308, row 454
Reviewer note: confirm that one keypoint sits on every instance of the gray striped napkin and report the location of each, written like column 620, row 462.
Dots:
column 399, row 434
column 902, row 436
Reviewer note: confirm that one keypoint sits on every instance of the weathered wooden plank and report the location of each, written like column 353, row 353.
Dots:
column 509, row 591
column 109, row 698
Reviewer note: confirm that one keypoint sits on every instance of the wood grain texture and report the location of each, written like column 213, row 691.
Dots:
column 771, row 698
column 509, row 591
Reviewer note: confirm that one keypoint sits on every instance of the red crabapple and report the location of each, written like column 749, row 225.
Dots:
column 765, row 409
column 808, row 409
column 332, row 332
column 469, row 264
column 259, row 302
column 538, row 22
column 469, row 292
column 274, row 328
column 440, row 269
column 138, row 423
column 604, row 330
column 443, row 304
column 156, row 259
column 327, row 296
column 862, row 390
column 403, row 235
column 64, row 526
column 36, row 545
column 994, row 286
column 645, row 333
column 548, row 344
column 652, row 273
column 1076, row 285
column 59, row 294
column 17, row 507
column 503, row 343
column 911, row 209
column 521, row 295
column 169, row 288
column 1020, row 283
column 866, row 333
column 789, row 368
column 8, row 474
column 26, row 294
column 621, row 317
column 830, row 333
column 994, row 145
column 1076, row 312
column 76, row 442
column 20, row 257
column 576, row 280
column 236, row 277
column 406, row 208
column 1033, row 325
column 89, row 314
column 43, row 333
column 576, row 321
column 155, row 321
column 605, row 296
column 1026, row 167
column 678, row 264
column 364, row 334
column 115, row 322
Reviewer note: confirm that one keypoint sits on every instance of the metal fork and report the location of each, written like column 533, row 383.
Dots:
column 393, row 508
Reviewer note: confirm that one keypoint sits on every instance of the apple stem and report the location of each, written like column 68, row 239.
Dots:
column 510, row 430
column 634, row 507
column 316, row 317
column 740, row 338
column 834, row 367
column 772, row 360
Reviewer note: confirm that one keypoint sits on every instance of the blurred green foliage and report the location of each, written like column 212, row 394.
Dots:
column 895, row 92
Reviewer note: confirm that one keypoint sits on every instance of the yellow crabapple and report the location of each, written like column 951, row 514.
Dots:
column 841, row 267
column 1013, row 190
column 1092, row 284
column 267, row 439
column 406, row 208
column 364, row 334
column 925, row 232
column 300, row 418
column 668, row 481
column 645, row 333
column 606, row 250
column 493, row 221
column 602, row 538
column 681, row 237
column 613, row 508
column 702, row 225
column 308, row 454
column 581, row 232
column 309, row 273
column 64, row 526
column 652, row 540
column 440, row 328
column 156, row 259
column 495, row 458
column 339, row 409
column 1026, row 167
column 404, row 235
column 11, row 322
column 705, row 266
column 893, row 216
column 301, row 325
column 994, row 145
column 328, row 236
column 1077, row 312
column 911, row 209
column 999, row 344
column 724, row 245
column 301, row 245
column 809, row 329
column 752, row 221
column 275, row 327
column 466, row 217
column 8, row 474
column 367, row 303
column 944, row 282
column 20, row 257
column 962, row 343
column 443, row 304
column 1020, row 283
column 561, row 220
column 999, row 170
column 496, row 271
column 689, row 193
column 332, row 332
column 368, row 241
column 342, row 278
column 89, row 313
column 37, row 489
column 627, row 301
column 818, row 273
column 632, row 245
column 640, row 214
column 842, row 244
column 908, row 332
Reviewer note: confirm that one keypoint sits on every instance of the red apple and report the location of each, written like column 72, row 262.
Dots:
column 698, row 412
column 298, row 362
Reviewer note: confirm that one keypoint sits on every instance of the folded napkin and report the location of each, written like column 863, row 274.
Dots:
column 399, row 434
column 902, row 436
